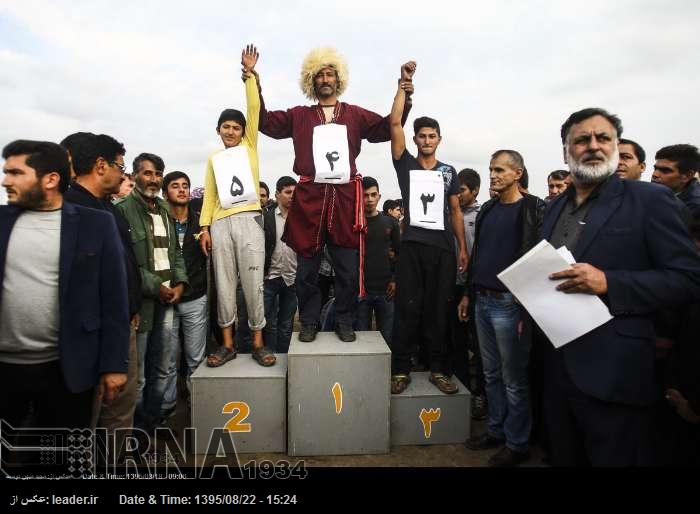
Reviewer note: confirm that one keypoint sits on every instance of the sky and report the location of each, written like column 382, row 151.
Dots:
column 500, row 74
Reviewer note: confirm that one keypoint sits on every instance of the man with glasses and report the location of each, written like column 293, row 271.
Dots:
column 98, row 163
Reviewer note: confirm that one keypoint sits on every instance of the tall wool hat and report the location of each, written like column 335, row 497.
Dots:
column 315, row 61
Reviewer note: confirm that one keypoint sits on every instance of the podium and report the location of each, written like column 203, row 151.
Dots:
column 422, row 414
column 338, row 395
column 245, row 399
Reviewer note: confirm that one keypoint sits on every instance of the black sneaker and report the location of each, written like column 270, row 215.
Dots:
column 345, row 332
column 507, row 458
column 484, row 442
column 307, row 333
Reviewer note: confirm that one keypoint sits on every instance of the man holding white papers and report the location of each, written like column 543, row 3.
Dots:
column 427, row 268
column 633, row 252
column 328, row 201
column 232, row 208
column 506, row 228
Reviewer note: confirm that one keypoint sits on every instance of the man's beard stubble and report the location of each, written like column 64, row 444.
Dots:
column 32, row 199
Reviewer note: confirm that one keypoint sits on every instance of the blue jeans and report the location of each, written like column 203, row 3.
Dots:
column 505, row 356
column 192, row 316
column 280, row 306
column 383, row 310
column 155, row 353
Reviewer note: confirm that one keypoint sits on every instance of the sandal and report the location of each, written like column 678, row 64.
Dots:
column 399, row 383
column 221, row 356
column 264, row 356
column 444, row 383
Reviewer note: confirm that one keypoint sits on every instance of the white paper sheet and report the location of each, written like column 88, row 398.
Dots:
column 427, row 199
column 331, row 155
column 563, row 317
column 234, row 178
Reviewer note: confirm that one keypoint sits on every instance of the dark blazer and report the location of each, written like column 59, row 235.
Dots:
column 79, row 195
column 635, row 235
column 93, row 333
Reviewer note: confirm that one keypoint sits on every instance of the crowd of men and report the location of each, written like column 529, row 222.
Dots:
column 105, row 287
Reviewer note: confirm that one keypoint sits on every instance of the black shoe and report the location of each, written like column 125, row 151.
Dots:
column 479, row 407
column 345, row 332
column 307, row 333
column 484, row 442
column 507, row 458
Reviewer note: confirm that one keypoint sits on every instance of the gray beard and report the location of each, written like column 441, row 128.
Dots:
column 147, row 194
column 592, row 175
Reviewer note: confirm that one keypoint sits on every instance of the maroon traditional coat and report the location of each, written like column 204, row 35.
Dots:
column 318, row 205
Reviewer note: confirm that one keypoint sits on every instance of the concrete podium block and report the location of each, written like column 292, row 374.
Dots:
column 338, row 395
column 245, row 398
column 424, row 415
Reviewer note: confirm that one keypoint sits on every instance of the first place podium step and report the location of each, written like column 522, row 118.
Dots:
column 338, row 395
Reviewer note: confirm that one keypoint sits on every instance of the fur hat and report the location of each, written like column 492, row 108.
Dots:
column 315, row 61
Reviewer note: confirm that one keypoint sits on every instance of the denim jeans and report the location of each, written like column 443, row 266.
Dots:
column 383, row 310
column 280, row 306
column 505, row 356
column 155, row 352
column 192, row 316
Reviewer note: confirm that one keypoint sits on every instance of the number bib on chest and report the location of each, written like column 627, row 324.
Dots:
column 331, row 155
column 426, row 204
column 234, row 178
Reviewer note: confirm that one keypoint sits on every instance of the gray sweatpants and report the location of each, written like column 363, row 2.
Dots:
column 238, row 248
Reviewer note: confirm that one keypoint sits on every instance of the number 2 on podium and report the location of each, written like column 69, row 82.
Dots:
column 235, row 424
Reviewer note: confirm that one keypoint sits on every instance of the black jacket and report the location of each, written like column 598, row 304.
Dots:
column 78, row 195
column 530, row 221
column 270, row 228
column 195, row 261
column 690, row 196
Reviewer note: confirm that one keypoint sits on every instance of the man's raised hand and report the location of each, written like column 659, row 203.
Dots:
column 249, row 57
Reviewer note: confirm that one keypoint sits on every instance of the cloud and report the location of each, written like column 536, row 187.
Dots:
column 501, row 74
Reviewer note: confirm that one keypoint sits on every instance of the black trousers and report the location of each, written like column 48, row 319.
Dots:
column 463, row 338
column 585, row 431
column 426, row 277
column 41, row 386
column 35, row 397
column 345, row 266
